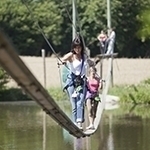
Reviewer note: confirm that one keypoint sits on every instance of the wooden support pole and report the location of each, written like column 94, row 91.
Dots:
column 103, row 56
column 112, row 78
column 101, row 69
column 73, row 19
column 44, row 114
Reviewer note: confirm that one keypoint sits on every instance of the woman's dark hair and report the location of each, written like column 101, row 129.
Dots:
column 78, row 42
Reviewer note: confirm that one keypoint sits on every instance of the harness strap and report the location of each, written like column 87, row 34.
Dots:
column 94, row 95
column 75, row 81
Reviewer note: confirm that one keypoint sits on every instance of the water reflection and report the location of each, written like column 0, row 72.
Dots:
column 126, row 128
column 110, row 142
column 21, row 128
column 44, row 130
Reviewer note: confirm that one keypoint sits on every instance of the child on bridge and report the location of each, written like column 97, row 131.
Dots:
column 92, row 97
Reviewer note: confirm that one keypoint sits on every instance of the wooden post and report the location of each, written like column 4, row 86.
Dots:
column 44, row 67
column 44, row 114
column 101, row 69
column 112, row 78
column 109, row 26
column 103, row 56
column 73, row 19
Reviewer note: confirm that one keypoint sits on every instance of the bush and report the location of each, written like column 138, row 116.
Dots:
column 137, row 94
column 4, row 78
column 58, row 94
column 13, row 94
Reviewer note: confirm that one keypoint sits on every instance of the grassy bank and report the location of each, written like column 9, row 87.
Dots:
column 15, row 94
column 137, row 94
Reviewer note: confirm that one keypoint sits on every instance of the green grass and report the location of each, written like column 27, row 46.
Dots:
column 14, row 94
column 137, row 94
column 58, row 94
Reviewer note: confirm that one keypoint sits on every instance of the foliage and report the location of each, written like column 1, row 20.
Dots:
column 144, row 18
column 4, row 78
column 58, row 94
column 55, row 19
column 22, row 24
column 136, row 94
column 13, row 94
column 65, row 10
column 127, row 25
column 147, row 81
column 92, row 19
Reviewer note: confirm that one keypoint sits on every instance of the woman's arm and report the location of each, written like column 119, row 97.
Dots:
column 67, row 57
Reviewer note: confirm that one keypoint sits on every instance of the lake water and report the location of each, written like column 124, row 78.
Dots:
column 21, row 128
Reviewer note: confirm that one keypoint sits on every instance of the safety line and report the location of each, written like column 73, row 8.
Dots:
column 44, row 36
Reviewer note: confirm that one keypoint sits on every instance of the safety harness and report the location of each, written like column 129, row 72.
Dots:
column 76, row 80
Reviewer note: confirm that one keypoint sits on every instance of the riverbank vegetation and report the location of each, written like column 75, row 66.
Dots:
column 13, row 94
column 133, row 94
column 9, row 94
column 136, row 94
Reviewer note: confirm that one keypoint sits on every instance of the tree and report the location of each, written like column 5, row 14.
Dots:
column 4, row 78
column 55, row 19
column 127, row 25
column 22, row 25
column 144, row 19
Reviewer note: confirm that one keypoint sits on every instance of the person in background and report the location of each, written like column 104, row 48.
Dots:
column 94, row 83
column 75, row 82
column 102, row 37
column 110, row 41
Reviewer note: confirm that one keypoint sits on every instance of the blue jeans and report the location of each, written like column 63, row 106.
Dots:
column 76, row 102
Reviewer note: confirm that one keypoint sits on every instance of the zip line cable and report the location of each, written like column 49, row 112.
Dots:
column 75, row 26
column 69, row 16
column 44, row 36
column 80, row 29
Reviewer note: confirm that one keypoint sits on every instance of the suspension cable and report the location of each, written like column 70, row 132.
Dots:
column 69, row 16
column 75, row 26
column 41, row 31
